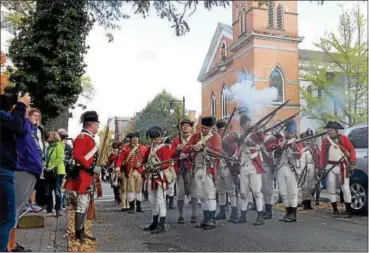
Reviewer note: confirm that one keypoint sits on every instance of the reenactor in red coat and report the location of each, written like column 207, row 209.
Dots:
column 206, row 145
column 120, row 169
column 85, row 154
column 115, row 176
column 185, row 182
column 334, row 147
column 158, row 178
column 226, row 179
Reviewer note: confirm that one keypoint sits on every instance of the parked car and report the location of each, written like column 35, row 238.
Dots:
column 359, row 180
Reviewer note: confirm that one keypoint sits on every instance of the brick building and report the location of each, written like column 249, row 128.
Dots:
column 262, row 42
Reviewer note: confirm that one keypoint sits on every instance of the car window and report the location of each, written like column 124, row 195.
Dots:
column 359, row 137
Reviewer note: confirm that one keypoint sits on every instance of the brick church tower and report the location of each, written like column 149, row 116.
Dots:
column 261, row 44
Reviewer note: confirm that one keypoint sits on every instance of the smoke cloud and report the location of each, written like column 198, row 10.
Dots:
column 246, row 96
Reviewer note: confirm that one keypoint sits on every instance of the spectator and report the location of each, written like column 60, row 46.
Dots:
column 11, row 126
column 54, row 173
column 68, row 155
column 26, row 175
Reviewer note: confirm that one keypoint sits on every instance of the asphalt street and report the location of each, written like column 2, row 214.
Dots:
column 317, row 231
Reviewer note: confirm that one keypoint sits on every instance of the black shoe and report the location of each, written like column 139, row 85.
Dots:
column 211, row 221
column 138, row 207
column 79, row 236
column 171, row 202
column 286, row 214
column 305, row 204
column 181, row 220
column 193, row 219
column 221, row 215
column 348, row 211
column 204, row 219
column 154, row 223
column 85, row 236
column 268, row 212
column 234, row 214
column 259, row 219
column 132, row 207
column 336, row 213
column 242, row 218
column 291, row 217
column 160, row 228
column 19, row 248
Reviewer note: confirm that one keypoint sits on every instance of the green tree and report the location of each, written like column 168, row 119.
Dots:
column 340, row 82
column 157, row 113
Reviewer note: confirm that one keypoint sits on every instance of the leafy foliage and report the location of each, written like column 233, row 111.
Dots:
column 340, row 82
column 157, row 113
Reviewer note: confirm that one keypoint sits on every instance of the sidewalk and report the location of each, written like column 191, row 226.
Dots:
column 51, row 238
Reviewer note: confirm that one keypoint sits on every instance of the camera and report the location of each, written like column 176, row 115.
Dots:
column 10, row 97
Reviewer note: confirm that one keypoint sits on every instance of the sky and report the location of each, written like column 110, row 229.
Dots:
column 146, row 57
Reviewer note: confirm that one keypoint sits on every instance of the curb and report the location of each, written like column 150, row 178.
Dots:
column 61, row 238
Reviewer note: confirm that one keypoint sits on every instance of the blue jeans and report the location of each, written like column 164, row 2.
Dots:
column 7, row 206
column 54, row 185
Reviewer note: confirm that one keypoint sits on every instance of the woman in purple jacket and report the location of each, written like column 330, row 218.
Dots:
column 29, row 170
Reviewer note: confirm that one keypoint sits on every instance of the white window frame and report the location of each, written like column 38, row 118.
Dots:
column 224, row 101
column 280, row 14
column 213, row 104
column 283, row 85
column 271, row 12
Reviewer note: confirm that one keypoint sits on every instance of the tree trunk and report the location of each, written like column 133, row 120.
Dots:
column 59, row 122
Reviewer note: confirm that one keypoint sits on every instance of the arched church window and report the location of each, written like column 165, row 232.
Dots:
column 212, row 104
column 241, row 19
column 276, row 81
column 223, row 51
column 280, row 17
column 271, row 14
column 224, row 101
column 243, row 77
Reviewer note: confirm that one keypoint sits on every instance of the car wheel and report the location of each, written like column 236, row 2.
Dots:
column 359, row 196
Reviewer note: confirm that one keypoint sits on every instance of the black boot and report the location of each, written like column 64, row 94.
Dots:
column 336, row 214
column 221, row 215
column 268, row 212
column 79, row 224
column 160, row 228
column 86, row 236
column 211, row 221
column 181, row 220
column 348, row 211
column 79, row 236
column 305, row 204
column 310, row 206
column 204, row 219
column 234, row 214
column 132, row 207
column 259, row 219
column 171, row 204
column 242, row 218
column 154, row 224
column 291, row 217
column 286, row 214
column 138, row 207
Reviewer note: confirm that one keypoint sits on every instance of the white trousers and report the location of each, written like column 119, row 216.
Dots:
column 287, row 185
column 181, row 187
column 249, row 179
column 157, row 199
column 131, row 196
column 225, row 184
column 267, row 185
column 334, row 182
column 206, row 191
column 309, row 184
column 83, row 202
column 170, row 191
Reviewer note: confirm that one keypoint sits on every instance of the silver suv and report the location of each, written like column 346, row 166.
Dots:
column 359, row 181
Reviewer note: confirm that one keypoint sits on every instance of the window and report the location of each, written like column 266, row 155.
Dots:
column 280, row 17
column 276, row 80
column 224, row 101
column 242, row 18
column 271, row 14
column 243, row 76
column 212, row 104
column 359, row 137
column 223, row 51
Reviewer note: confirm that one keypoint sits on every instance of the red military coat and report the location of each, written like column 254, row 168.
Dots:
column 214, row 142
column 175, row 154
column 131, row 159
column 111, row 159
column 85, row 154
column 164, row 154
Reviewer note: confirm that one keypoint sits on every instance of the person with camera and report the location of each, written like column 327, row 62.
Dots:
column 54, row 173
column 12, row 121
column 26, row 176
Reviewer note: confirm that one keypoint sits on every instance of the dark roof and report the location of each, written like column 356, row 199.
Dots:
column 309, row 55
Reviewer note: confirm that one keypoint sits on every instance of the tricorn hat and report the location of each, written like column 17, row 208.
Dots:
column 208, row 121
column 126, row 140
column 129, row 136
column 334, row 125
column 89, row 116
column 221, row 124
column 291, row 126
column 187, row 121
column 309, row 132
column 154, row 132
column 134, row 135
column 244, row 118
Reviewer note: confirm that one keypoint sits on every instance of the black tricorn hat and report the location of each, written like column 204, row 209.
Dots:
column 129, row 136
column 154, row 132
column 135, row 135
column 221, row 124
column 244, row 118
column 208, row 121
column 89, row 116
column 334, row 125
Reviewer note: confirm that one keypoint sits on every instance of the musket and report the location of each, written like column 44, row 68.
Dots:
column 153, row 167
column 310, row 137
column 280, row 123
column 229, row 120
